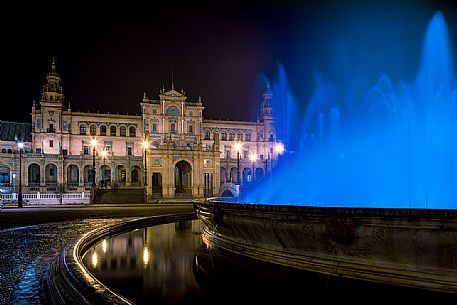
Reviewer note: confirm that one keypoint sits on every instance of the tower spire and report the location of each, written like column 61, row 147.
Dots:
column 172, row 83
column 53, row 65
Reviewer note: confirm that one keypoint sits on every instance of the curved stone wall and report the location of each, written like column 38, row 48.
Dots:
column 409, row 247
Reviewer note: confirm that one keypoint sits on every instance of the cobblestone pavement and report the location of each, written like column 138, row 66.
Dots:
column 26, row 251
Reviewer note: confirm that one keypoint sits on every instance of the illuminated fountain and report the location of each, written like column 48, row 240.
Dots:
column 370, row 190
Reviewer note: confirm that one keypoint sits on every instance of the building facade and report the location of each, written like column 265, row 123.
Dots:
column 170, row 150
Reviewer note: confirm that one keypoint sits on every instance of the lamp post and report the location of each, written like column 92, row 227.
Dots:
column 253, row 158
column 104, row 153
column 20, row 145
column 93, row 143
column 145, row 146
column 238, row 148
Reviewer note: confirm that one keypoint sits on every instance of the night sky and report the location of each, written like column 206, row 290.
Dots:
column 108, row 56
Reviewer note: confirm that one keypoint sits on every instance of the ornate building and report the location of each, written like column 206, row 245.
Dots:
column 181, row 153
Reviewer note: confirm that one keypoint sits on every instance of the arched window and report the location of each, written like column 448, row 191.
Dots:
column 93, row 130
column 112, row 131
column 82, row 129
column 240, row 136
column 231, row 136
column 172, row 110
column 207, row 135
column 132, row 131
column 172, row 127
column 224, row 136
column 103, row 130
column 123, row 131
column 4, row 151
column 248, row 136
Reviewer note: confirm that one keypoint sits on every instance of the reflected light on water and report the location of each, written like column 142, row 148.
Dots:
column 145, row 256
column 94, row 259
column 104, row 246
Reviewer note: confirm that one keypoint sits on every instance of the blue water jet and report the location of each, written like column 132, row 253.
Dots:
column 395, row 147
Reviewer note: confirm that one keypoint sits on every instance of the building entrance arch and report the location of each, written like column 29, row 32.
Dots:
column 183, row 179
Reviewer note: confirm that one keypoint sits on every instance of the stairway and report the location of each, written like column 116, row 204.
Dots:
column 119, row 196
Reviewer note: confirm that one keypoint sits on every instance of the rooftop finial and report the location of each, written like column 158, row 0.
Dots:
column 172, row 83
column 53, row 65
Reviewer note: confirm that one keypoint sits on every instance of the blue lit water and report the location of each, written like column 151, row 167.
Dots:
column 395, row 147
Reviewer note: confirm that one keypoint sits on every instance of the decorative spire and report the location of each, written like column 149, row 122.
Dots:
column 53, row 65
column 33, row 103
column 172, row 83
column 144, row 96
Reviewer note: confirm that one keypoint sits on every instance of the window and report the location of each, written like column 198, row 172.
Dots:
column 85, row 150
column 65, row 125
column 129, row 151
column 261, row 157
column 191, row 129
column 245, row 154
column 207, row 135
column 51, row 128
column 260, row 136
column 132, row 131
column 231, row 136
column 123, row 131
column 38, row 123
column 154, row 127
column 248, row 136
column 224, row 136
column 172, row 110
column 239, row 136
column 51, row 143
column 4, row 151
column 38, row 150
column 112, row 131
column 103, row 130
column 93, row 130
column 82, row 129
column 271, row 138
column 172, row 127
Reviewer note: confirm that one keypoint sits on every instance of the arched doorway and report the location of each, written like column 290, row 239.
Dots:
column 105, row 172
column 51, row 177
column 121, row 175
column 135, row 175
column 88, row 176
column 258, row 174
column 183, row 179
column 72, row 177
column 34, row 176
column 247, row 177
column 156, row 185
column 227, row 193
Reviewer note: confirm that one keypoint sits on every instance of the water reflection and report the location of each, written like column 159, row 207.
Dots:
column 170, row 264
column 149, row 264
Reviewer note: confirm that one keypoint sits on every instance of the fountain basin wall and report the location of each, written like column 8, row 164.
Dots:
column 408, row 247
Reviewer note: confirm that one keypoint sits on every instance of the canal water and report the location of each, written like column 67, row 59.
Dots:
column 170, row 264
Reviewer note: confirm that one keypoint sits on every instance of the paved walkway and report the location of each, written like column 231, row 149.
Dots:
column 33, row 236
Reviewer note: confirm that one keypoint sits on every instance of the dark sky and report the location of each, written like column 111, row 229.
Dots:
column 108, row 56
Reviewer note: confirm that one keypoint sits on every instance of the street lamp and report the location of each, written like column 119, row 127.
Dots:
column 20, row 145
column 145, row 146
column 279, row 148
column 93, row 143
column 253, row 158
column 104, row 153
column 237, row 148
